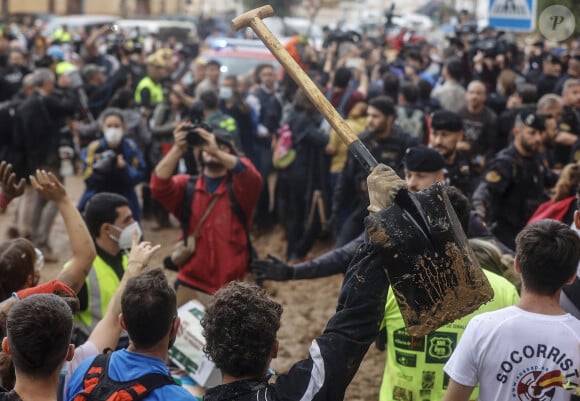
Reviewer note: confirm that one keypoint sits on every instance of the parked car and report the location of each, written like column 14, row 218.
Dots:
column 236, row 56
column 238, row 60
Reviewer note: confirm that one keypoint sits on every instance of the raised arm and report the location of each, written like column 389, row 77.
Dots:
column 166, row 167
column 82, row 246
column 335, row 355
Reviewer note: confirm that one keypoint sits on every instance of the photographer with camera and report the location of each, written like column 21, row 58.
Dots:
column 215, row 207
column 113, row 163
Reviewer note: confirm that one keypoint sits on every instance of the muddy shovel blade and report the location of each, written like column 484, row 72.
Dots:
column 435, row 284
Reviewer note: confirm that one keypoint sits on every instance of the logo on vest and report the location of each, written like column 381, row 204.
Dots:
column 440, row 347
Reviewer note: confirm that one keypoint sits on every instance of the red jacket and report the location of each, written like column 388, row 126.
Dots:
column 552, row 210
column 221, row 246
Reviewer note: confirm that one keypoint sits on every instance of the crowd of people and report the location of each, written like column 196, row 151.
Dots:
column 494, row 121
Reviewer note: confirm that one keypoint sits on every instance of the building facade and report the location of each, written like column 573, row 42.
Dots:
column 125, row 8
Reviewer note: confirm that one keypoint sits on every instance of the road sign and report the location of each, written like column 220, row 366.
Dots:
column 513, row 15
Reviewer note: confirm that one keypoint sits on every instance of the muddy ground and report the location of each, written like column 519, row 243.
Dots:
column 308, row 304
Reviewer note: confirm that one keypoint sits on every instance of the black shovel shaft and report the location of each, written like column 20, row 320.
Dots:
column 362, row 155
column 404, row 199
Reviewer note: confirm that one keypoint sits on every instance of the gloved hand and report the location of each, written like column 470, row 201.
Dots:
column 271, row 268
column 56, row 287
column 383, row 184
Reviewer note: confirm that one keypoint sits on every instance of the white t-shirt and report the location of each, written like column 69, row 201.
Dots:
column 565, row 302
column 518, row 355
column 82, row 352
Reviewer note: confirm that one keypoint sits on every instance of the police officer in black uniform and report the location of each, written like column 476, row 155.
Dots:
column 551, row 70
column 446, row 133
column 387, row 143
column 515, row 182
column 570, row 120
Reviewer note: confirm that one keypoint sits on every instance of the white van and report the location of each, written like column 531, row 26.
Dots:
column 77, row 21
column 163, row 29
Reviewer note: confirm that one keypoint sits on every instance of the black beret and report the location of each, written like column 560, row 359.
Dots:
column 423, row 159
column 533, row 120
column 446, row 120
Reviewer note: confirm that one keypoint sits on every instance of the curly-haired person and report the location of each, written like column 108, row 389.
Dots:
column 251, row 320
column 241, row 323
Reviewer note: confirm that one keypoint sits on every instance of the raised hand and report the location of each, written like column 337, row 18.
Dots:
column 48, row 186
column 141, row 253
column 10, row 189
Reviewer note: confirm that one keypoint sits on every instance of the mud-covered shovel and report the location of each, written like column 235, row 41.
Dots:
column 433, row 272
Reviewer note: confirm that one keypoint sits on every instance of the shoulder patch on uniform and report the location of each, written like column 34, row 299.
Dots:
column 464, row 170
column 493, row 177
column 577, row 155
column 565, row 127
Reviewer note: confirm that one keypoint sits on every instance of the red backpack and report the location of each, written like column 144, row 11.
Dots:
column 98, row 386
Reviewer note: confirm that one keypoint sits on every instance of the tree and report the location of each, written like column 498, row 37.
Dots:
column 281, row 7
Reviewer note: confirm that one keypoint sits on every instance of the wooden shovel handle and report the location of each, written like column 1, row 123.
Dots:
column 253, row 19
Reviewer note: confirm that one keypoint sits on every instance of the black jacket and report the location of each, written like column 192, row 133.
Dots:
column 99, row 96
column 511, row 190
column 460, row 174
column 308, row 141
column 39, row 121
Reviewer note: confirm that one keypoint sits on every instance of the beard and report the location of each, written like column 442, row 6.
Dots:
column 528, row 147
column 443, row 151
column 213, row 165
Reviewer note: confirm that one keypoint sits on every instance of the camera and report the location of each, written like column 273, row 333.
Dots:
column 193, row 138
column 196, row 121
column 106, row 163
column 342, row 36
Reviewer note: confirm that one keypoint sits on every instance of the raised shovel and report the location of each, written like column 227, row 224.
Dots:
column 432, row 269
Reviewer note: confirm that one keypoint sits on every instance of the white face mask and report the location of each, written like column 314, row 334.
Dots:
column 113, row 136
column 39, row 263
column 226, row 92
column 125, row 239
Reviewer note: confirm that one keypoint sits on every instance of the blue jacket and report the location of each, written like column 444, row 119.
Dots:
column 125, row 366
column 119, row 181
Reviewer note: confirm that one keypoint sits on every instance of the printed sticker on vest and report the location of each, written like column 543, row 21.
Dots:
column 405, row 359
column 403, row 340
column 440, row 345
